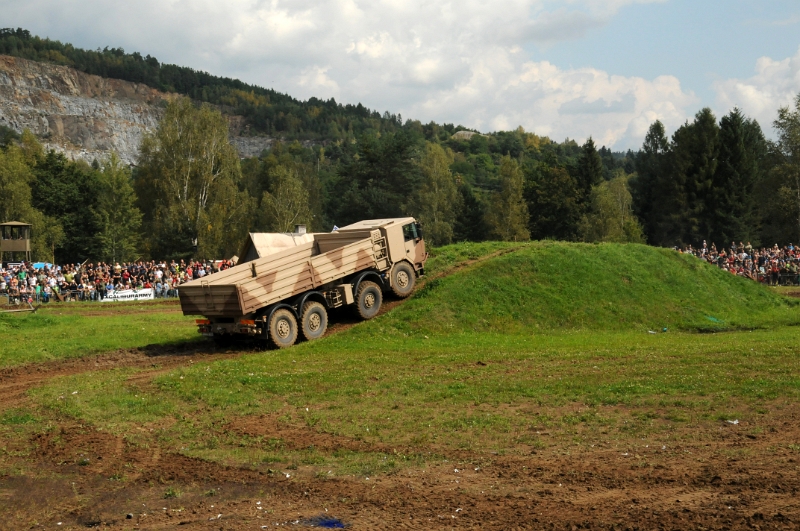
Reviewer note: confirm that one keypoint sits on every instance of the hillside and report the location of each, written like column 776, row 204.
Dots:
column 264, row 111
column 547, row 286
column 87, row 116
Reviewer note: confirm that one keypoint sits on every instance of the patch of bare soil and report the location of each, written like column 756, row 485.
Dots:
column 728, row 479
column 101, row 309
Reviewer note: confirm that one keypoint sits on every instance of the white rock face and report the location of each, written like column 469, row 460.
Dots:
column 84, row 116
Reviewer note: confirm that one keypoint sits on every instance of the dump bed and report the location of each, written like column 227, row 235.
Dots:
column 245, row 288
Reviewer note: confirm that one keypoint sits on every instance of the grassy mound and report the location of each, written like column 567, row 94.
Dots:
column 548, row 286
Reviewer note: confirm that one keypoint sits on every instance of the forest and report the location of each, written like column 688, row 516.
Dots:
column 713, row 179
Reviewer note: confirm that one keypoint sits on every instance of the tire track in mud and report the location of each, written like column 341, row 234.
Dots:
column 16, row 381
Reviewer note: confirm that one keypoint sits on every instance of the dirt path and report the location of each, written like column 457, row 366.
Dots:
column 726, row 480
column 15, row 381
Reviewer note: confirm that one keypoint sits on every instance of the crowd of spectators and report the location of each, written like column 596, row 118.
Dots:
column 28, row 282
column 45, row 282
column 771, row 265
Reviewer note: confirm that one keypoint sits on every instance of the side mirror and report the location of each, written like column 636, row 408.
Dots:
column 419, row 230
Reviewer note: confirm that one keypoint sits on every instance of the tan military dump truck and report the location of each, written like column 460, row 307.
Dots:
column 286, row 291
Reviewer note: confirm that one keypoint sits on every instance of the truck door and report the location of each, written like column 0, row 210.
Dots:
column 415, row 247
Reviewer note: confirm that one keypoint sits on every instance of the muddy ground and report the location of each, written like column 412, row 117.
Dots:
column 78, row 477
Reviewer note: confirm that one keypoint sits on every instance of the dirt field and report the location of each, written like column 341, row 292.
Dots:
column 727, row 478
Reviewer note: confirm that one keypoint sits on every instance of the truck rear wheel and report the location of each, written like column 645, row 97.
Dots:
column 403, row 279
column 314, row 320
column 282, row 328
column 368, row 300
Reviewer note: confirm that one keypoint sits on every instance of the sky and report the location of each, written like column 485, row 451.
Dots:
column 565, row 69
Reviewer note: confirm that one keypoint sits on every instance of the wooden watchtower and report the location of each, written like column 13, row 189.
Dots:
column 15, row 237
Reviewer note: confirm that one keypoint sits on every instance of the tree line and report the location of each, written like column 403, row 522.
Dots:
column 77, row 210
column 720, row 181
column 192, row 196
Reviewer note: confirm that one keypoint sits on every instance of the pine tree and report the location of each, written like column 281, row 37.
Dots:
column 552, row 194
column 650, row 166
column 120, row 219
column 731, row 202
column 590, row 170
column 695, row 149
column 379, row 182
column 470, row 224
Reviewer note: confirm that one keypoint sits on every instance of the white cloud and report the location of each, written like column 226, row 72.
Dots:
column 775, row 85
column 575, row 103
column 462, row 62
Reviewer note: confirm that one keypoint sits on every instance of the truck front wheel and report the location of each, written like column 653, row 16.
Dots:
column 403, row 279
column 282, row 328
column 368, row 299
column 314, row 320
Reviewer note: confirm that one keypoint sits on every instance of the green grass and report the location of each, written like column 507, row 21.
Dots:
column 481, row 392
column 57, row 333
column 540, row 348
column 553, row 286
column 444, row 258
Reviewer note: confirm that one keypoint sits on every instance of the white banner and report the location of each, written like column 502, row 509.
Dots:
column 130, row 295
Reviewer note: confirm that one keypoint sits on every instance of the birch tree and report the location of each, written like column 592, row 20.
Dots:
column 610, row 217
column 438, row 199
column 191, row 174
column 287, row 204
column 508, row 216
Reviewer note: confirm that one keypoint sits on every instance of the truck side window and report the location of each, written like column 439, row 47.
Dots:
column 410, row 232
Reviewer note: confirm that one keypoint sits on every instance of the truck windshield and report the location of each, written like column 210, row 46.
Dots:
column 410, row 232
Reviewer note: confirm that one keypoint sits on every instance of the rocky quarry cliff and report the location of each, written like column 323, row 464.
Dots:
column 88, row 117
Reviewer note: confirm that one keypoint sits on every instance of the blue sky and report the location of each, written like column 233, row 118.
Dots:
column 573, row 68
column 697, row 41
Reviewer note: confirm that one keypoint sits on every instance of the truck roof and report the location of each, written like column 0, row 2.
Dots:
column 376, row 223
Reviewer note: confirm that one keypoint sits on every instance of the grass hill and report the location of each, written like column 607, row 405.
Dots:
column 544, row 286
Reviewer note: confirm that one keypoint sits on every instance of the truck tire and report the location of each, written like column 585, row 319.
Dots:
column 368, row 299
column 314, row 320
column 403, row 279
column 282, row 328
